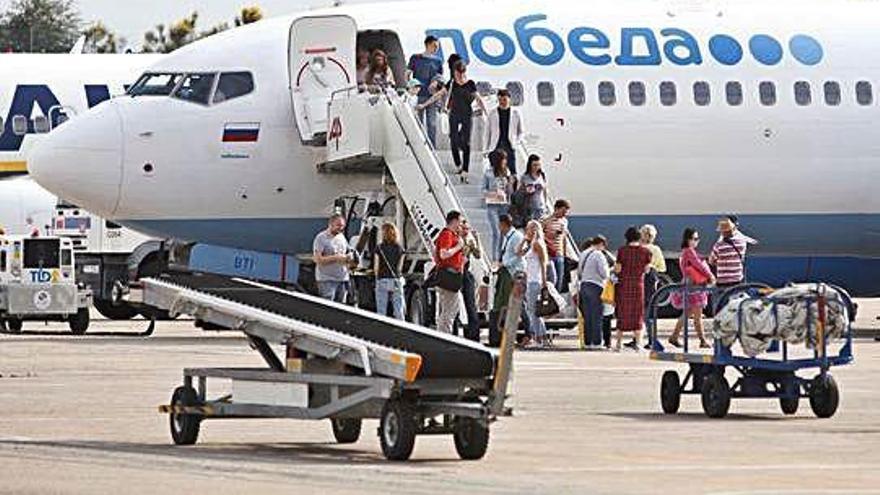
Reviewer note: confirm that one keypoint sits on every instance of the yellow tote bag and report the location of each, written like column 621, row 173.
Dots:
column 608, row 293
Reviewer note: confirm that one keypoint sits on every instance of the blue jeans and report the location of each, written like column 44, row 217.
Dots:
column 536, row 323
column 390, row 289
column 558, row 263
column 590, row 303
column 428, row 118
column 494, row 212
column 334, row 291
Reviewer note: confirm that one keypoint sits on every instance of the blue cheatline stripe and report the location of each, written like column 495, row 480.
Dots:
column 849, row 243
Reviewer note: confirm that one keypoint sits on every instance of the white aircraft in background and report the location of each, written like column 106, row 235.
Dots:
column 671, row 113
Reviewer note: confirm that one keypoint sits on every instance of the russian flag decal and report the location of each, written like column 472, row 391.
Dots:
column 247, row 132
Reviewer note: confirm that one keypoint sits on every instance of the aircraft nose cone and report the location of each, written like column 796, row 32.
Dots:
column 81, row 160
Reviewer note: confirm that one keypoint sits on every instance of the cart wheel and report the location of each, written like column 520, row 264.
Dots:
column 184, row 427
column 346, row 430
column 15, row 325
column 118, row 312
column 824, row 396
column 79, row 323
column 471, row 438
column 397, row 430
column 670, row 392
column 789, row 405
column 716, row 396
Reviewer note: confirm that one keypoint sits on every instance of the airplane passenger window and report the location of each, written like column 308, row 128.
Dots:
column 233, row 85
column 19, row 125
column 734, row 92
column 155, row 85
column 484, row 88
column 196, row 88
column 668, row 93
column 637, row 94
column 832, row 93
column 864, row 93
column 41, row 124
column 546, row 94
column 803, row 93
column 702, row 93
column 517, row 93
column 767, row 92
column 607, row 93
column 577, row 94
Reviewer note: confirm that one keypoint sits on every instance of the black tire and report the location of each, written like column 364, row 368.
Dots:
column 79, row 322
column 346, row 430
column 789, row 405
column 117, row 312
column 715, row 396
column 824, row 396
column 417, row 308
column 670, row 392
column 397, row 430
column 14, row 325
column 471, row 438
column 184, row 427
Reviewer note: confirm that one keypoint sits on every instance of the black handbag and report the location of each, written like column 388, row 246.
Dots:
column 449, row 279
column 547, row 305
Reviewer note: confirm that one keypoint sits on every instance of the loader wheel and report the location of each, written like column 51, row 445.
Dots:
column 397, row 430
column 346, row 430
column 184, row 427
column 471, row 438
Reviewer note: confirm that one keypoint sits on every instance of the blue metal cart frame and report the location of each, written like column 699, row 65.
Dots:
column 759, row 377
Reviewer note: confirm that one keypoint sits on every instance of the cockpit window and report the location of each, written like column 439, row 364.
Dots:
column 158, row 84
column 196, row 88
column 233, row 85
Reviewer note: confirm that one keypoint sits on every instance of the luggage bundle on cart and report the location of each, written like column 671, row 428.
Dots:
column 752, row 321
column 342, row 364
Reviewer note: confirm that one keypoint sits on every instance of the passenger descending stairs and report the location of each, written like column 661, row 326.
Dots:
column 425, row 180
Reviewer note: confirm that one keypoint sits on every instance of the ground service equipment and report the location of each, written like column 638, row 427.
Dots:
column 774, row 376
column 38, row 282
column 343, row 364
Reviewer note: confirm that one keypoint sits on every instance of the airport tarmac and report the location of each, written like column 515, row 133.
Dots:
column 78, row 415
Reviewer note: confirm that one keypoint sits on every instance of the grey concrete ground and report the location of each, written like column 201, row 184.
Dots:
column 79, row 416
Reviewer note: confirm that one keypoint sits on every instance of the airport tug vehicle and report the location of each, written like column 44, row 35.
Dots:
column 772, row 373
column 342, row 364
column 38, row 283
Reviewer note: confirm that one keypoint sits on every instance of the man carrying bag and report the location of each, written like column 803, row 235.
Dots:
column 508, row 265
column 449, row 271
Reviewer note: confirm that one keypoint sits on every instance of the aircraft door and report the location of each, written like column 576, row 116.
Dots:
column 322, row 60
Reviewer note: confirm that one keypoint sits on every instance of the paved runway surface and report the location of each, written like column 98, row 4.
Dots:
column 79, row 416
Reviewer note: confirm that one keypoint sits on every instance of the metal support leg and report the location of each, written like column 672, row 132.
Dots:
column 267, row 353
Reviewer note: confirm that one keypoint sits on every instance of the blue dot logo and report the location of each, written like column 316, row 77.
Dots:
column 765, row 49
column 725, row 49
column 806, row 49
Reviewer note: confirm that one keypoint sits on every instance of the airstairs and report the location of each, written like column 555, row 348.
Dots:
column 366, row 129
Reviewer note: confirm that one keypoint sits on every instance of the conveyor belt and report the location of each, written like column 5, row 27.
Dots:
column 443, row 356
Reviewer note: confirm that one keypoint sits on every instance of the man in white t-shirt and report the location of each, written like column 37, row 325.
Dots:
column 332, row 257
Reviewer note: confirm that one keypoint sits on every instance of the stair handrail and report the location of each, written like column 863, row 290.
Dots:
column 436, row 167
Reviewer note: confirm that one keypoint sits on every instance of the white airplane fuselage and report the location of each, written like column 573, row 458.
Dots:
column 801, row 173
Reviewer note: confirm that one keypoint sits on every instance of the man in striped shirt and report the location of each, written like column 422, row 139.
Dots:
column 729, row 254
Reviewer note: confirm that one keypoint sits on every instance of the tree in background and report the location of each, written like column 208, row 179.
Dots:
column 249, row 15
column 42, row 26
column 164, row 39
column 101, row 39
